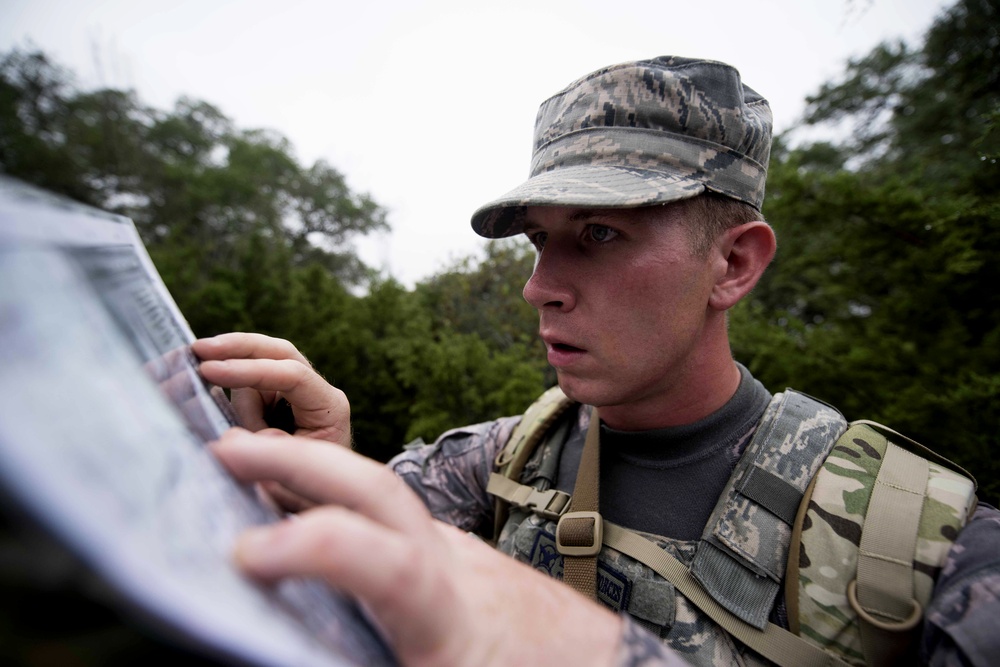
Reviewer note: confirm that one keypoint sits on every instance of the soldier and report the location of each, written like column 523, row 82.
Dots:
column 643, row 203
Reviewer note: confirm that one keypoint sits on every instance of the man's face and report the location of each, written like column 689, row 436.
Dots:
column 623, row 302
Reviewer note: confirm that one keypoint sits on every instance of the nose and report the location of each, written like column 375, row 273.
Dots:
column 549, row 286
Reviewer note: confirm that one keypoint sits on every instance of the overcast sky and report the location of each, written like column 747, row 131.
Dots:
column 429, row 106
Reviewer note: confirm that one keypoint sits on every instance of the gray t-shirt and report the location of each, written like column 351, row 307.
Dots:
column 667, row 481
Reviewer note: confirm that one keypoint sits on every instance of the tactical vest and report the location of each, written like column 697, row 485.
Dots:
column 852, row 526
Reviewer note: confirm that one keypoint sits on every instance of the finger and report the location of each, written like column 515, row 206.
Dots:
column 241, row 345
column 283, row 375
column 249, row 407
column 315, row 403
column 285, row 500
column 180, row 387
column 400, row 582
column 325, row 475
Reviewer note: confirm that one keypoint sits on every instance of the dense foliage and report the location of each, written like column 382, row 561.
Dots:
column 881, row 300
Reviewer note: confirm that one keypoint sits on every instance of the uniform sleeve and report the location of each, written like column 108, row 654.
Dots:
column 450, row 476
column 962, row 624
column 639, row 648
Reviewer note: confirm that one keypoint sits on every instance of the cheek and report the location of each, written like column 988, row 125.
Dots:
column 656, row 303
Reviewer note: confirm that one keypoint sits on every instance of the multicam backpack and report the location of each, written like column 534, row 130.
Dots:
column 861, row 523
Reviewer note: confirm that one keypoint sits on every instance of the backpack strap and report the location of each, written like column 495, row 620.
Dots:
column 579, row 533
column 882, row 595
column 510, row 461
column 772, row 641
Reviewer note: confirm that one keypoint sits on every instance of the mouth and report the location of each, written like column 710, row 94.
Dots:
column 562, row 354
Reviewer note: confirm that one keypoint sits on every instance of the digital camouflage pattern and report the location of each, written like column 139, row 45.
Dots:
column 451, row 477
column 451, row 474
column 638, row 648
column 742, row 561
column 960, row 624
column 625, row 585
column 831, row 537
column 642, row 133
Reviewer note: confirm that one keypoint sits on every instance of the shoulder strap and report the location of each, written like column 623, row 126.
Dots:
column 880, row 522
column 882, row 595
column 579, row 533
column 773, row 642
column 509, row 462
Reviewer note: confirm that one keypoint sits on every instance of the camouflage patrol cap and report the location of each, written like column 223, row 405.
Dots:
column 638, row 134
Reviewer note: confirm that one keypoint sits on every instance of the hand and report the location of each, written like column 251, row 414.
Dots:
column 440, row 596
column 262, row 370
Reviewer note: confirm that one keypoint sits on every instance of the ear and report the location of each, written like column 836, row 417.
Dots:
column 746, row 249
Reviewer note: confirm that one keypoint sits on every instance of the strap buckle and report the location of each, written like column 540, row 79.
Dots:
column 550, row 504
column 580, row 534
column 901, row 625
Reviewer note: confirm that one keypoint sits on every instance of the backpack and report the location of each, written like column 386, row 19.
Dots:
column 860, row 517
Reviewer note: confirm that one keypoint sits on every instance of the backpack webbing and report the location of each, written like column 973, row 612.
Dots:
column 887, row 608
column 773, row 642
column 509, row 462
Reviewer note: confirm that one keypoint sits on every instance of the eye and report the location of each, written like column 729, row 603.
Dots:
column 600, row 233
column 538, row 239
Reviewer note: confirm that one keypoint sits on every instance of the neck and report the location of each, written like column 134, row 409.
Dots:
column 689, row 406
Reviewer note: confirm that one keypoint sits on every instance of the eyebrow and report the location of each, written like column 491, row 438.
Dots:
column 581, row 215
column 595, row 214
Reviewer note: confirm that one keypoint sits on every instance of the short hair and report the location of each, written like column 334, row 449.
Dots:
column 708, row 215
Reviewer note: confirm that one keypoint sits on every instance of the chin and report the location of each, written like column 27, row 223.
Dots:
column 584, row 391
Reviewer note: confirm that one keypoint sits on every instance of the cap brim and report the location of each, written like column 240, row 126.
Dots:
column 596, row 186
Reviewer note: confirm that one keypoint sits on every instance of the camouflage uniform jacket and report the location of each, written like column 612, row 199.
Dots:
column 451, row 475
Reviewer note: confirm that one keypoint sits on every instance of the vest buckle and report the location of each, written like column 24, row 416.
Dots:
column 550, row 504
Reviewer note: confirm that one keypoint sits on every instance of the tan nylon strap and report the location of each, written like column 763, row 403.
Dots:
column 580, row 572
column 534, row 424
column 925, row 452
column 586, row 491
column 782, row 647
column 883, row 595
column 774, row 643
column 550, row 504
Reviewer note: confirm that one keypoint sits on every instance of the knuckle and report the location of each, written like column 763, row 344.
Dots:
column 287, row 349
column 340, row 400
column 406, row 572
column 385, row 486
column 293, row 373
column 324, row 534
